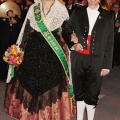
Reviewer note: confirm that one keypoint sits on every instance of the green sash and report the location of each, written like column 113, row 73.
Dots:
column 52, row 42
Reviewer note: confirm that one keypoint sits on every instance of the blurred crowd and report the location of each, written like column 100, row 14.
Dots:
column 9, row 30
column 10, row 27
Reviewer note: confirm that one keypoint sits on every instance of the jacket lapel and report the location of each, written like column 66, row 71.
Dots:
column 99, row 20
column 85, row 18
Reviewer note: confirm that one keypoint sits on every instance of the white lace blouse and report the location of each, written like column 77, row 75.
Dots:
column 53, row 20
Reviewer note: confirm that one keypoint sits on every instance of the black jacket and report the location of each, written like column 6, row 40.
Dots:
column 102, row 36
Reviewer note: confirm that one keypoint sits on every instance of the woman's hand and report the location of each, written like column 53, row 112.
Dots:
column 74, row 38
column 78, row 46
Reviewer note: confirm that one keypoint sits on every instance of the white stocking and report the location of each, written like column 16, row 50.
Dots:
column 90, row 111
column 80, row 109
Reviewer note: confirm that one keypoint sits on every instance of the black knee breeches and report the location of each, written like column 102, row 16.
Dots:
column 86, row 77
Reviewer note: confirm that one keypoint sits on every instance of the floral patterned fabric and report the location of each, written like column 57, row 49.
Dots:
column 58, row 111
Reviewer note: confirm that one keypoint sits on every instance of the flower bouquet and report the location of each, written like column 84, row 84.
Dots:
column 13, row 55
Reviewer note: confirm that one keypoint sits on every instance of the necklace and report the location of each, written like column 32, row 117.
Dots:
column 45, row 15
column 45, row 19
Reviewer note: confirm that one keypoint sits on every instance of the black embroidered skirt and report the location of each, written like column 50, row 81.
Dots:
column 41, row 69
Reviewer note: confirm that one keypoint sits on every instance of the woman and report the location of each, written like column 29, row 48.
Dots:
column 39, row 88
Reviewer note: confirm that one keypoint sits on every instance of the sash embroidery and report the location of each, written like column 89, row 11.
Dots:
column 52, row 42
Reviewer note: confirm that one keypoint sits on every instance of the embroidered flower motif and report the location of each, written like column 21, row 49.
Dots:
column 37, row 11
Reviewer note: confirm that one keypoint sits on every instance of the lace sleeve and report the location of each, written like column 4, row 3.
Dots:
column 28, row 29
column 24, row 30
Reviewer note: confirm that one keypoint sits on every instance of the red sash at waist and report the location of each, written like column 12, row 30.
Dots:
column 86, row 51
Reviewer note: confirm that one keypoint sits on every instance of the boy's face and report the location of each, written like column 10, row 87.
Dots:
column 93, row 2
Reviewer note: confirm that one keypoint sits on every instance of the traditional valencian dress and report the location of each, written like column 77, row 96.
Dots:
column 39, row 88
